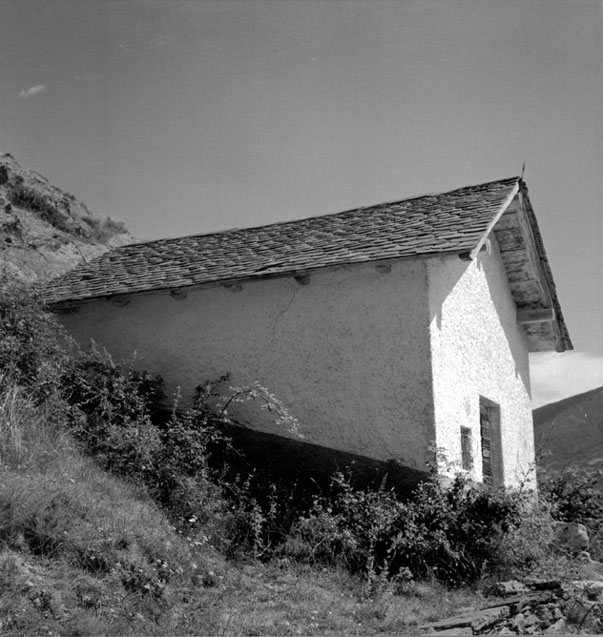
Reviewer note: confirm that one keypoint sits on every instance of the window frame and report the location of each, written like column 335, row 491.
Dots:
column 491, row 442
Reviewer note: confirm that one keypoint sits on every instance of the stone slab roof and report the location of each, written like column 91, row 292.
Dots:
column 453, row 221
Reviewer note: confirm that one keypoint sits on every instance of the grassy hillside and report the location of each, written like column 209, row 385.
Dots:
column 570, row 431
column 84, row 553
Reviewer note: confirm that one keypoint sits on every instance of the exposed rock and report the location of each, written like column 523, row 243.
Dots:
column 518, row 624
column 44, row 231
column 488, row 617
column 592, row 588
column 477, row 620
column 571, row 536
column 465, row 630
column 504, row 589
column 539, row 584
column 558, row 628
column 553, row 609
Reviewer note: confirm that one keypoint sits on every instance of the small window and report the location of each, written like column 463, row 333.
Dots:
column 466, row 453
column 489, row 419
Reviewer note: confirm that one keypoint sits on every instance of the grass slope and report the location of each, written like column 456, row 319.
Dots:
column 570, row 431
column 84, row 553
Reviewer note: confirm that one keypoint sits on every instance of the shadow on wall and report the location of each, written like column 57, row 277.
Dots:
column 312, row 466
column 455, row 270
column 517, row 345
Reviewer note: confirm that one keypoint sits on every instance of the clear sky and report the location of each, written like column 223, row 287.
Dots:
column 186, row 117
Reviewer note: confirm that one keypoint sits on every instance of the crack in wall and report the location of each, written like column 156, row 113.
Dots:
column 281, row 314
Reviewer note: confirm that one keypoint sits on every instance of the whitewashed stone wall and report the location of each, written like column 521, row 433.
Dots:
column 348, row 353
column 478, row 350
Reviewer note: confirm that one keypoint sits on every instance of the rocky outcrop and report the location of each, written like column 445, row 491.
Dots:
column 540, row 608
column 571, row 536
column 45, row 231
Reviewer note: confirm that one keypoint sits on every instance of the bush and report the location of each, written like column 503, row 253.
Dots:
column 450, row 531
column 262, row 511
column 184, row 482
column 103, row 228
column 119, row 418
column 575, row 493
column 116, row 414
column 34, row 351
column 25, row 196
column 112, row 416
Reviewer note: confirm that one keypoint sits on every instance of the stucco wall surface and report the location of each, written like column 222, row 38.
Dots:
column 479, row 350
column 347, row 353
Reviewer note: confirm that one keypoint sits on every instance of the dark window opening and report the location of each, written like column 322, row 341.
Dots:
column 489, row 420
column 466, row 449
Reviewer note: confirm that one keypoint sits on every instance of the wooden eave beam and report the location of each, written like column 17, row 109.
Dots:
column 540, row 315
column 563, row 340
column 532, row 253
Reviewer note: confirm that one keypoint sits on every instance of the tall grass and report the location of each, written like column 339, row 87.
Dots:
column 72, row 536
column 16, row 413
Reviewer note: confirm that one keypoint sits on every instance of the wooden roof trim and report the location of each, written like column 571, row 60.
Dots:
column 532, row 252
column 507, row 202
column 541, row 315
column 562, row 337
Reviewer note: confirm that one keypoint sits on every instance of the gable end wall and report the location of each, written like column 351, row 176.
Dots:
column 479, row 350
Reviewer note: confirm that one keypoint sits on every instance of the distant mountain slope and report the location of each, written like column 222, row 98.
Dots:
column 571, row 430
column 45, row 231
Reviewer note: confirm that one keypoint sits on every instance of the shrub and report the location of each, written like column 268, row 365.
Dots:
column 119, row 417
column 24, row 196
column 458, row 529
column 185, row 483
column 103, row 228
column 350, row 528
column 34, row 351
column 112, row 417
column 262, row 510
column 451, row 531
column 575, row 493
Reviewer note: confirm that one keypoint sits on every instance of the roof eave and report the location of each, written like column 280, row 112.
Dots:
column 528, row 272
column 545, row 276
column 563, row 340
column 66, row 303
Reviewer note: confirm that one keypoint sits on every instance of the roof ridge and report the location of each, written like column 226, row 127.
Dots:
column 319, row 216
